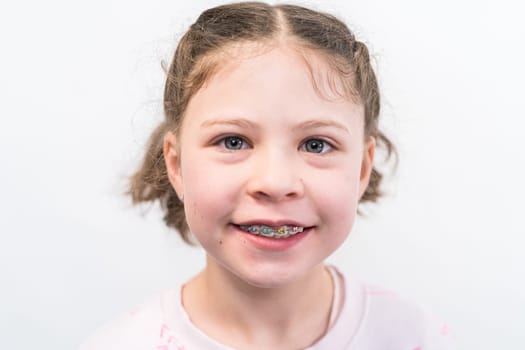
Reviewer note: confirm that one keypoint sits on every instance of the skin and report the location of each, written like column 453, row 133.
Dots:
column 248, row 151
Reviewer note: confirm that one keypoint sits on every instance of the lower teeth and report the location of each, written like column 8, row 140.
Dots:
column 267, row 231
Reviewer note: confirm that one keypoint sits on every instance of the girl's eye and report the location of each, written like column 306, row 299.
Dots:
column 315, row 146
column 233, row 142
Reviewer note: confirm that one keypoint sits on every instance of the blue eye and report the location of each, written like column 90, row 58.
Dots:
column 233, row 143
column 315, row 146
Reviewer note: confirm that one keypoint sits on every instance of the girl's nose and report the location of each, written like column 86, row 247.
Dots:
column 275, row 177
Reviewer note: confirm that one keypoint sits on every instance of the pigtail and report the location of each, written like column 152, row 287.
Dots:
column 151, row 183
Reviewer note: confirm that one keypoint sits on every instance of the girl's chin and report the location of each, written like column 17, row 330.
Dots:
column 270, row 276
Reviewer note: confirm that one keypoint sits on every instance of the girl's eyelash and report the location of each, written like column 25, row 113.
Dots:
column 315, row 142
column 231, row 142
column 234, row 142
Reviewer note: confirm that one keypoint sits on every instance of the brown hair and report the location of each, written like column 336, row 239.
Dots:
column 230, row 24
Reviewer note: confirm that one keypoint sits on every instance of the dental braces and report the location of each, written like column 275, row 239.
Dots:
column 267, row 231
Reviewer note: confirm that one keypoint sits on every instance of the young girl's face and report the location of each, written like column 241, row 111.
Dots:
column 260, row 146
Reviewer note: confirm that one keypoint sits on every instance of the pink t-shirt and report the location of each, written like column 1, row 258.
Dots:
column 362, row 318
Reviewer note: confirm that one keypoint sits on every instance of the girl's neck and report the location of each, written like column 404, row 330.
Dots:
column 241, row 315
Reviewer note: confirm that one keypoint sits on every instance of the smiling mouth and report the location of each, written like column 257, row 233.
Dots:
column 283, row 231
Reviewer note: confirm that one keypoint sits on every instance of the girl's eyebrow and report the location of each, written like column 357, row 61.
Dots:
column 306, row 125
column 240, row 122
column 317, row 123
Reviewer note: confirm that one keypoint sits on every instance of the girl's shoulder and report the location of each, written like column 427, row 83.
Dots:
column 390, row 321
column 386, row 307
column 142, row 328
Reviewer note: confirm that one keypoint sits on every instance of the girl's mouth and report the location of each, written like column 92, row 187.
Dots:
column 283, row 231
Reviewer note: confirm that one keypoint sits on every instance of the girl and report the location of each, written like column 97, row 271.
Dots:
column 266, row 151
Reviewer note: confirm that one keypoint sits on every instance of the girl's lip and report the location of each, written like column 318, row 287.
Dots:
column 272, row 243
column 272, row 223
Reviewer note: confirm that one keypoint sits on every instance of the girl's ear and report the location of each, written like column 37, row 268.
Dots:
column 367, row 164
column 172, row 160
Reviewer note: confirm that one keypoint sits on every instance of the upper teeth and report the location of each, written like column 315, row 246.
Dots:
column 267, row 231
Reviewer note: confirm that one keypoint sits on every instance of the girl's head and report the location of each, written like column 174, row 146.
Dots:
column 246, row 80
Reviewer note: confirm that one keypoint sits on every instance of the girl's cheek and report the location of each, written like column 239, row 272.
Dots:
column 213, row 186
column 336, row 190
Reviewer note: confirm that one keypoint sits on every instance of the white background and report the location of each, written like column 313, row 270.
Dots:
column 80, row 90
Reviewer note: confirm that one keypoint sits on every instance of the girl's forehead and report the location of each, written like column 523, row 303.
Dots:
column 276, row 83
column 328, row 75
